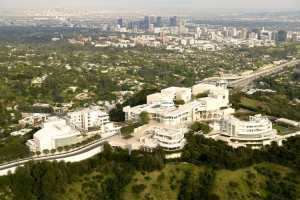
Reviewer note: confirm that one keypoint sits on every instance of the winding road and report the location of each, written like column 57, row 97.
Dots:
column 96, row 145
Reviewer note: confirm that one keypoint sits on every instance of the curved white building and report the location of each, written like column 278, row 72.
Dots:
column 54, row 133
column 255, row 132
column 168, row 138
column 58, row 132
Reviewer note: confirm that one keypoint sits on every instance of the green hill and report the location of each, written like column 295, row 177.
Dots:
column 247, row 183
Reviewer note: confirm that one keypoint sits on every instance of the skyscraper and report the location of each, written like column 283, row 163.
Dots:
column 120, row 22
column 281, row 36
column 174, row 21
column 158, row 21
column 147, row 22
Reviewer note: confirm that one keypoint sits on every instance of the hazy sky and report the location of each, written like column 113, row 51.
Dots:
column 159, row 5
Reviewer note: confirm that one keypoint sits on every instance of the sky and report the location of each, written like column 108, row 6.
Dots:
column 158, row 5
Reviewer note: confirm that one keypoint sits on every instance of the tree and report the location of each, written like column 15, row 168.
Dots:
column 197, row 126
column 202, row 95
column 138, row 188
column 144, row 117
column 46, row 151
column 60, row 149
column 179, row 102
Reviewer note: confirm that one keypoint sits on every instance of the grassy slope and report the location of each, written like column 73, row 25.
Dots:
column 77, row 190
column 244, row 183
column 240, row 184
column 253, row 104
column 160, row 188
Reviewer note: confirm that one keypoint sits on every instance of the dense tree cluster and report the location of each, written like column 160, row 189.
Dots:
column 268, row 104
column 218, row 154
column 47, row 180
column 198, row 126
column 279, row 186
column 199, row 187
column 14, row 147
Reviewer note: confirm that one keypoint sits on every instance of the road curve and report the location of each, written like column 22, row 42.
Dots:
column 78, row 151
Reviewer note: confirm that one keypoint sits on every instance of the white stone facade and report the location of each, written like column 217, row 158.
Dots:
column 255, row 132
column 57, row 132
column 88, row 118
column 168, row 138
column 161, row 110
column 54, row 133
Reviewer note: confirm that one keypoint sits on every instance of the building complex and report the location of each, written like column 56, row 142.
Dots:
column 170, row 119
column 171, row 112
column 203, row 102
column 161, row 107
column 73, row 128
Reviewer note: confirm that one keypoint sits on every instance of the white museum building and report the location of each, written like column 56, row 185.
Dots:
column 73, row 128
column 255, row 132
column 162, row 109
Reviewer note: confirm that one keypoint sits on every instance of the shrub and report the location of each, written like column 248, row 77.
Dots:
column 138, row 188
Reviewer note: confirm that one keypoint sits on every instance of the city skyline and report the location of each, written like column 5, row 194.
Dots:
column 179, row 6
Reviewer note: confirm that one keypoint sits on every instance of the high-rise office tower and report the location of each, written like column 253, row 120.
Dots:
column 281, row 36
column 158, row 21
column 147, row 22
column 174, row 21
column 120, row 22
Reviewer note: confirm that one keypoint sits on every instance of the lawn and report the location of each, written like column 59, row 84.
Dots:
column 284, row 130
column 253, row 104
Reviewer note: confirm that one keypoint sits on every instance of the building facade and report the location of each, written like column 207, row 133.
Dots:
column 161, row 107
column 54, row 133
column 73, row 128
column 167, row 138
column 256, row 132
column 87, row 118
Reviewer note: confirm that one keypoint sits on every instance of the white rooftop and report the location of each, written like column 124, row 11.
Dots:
column 56, row 127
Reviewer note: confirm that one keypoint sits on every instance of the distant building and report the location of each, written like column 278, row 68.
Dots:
column 174, row 21
column 147, row 23
column 21, row 132
column 120, row 22
column 281, row 36
column 33, row 119
column 159, row 22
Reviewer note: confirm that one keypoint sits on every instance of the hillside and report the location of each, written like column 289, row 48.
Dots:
column 207, row 170
column 248, row 183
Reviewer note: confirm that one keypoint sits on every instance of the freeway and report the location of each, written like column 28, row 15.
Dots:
column 94, row 145
column 261, row 73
